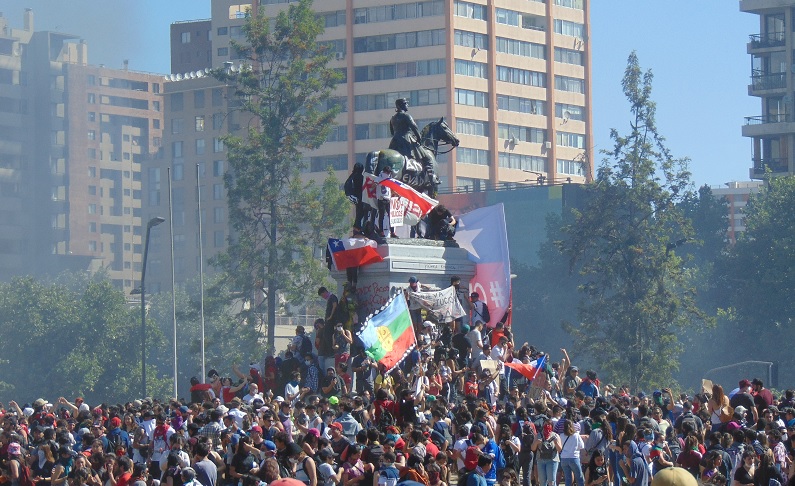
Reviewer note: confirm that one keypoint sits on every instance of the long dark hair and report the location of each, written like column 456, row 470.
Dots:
column 592, row 463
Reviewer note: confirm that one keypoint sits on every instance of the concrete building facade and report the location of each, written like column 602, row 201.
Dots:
column 511, row 77
column 772, row 80
column 73, row 140
column 736, row 195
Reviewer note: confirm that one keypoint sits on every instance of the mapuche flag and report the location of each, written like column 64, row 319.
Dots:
column 388, row 336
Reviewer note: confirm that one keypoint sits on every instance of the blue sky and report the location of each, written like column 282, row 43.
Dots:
column 696, row 50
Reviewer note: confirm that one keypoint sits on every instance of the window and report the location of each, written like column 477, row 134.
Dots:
column 471, row 98
column 156, row 107
column 218, row 97
column 521, row 105
column 569, row 112
column 507, row 17
column 91, row 80
column 177, row 102
column 472, row 127
column 570, row 167
column 92, row 190
column 578, row 4
column 92, row 227
column 387, row 13
column 471, row 39
column 400, row 70
column 218, row 192
column 471, row 68
column 223, row 51
column 218, row 168
column 92, row 172
column 321, row 164
column 470, row 10
column 472, row 156
column 521, row 48
column 218, row 121
column 92, row 98
column 198, row 123
column 176, row 126
column 185, row 37
column 198, row 99
column 92, row 246
column 92, row 116
column 572, row 29
column 218, row 215
column 338, row 134
column 403, row 40
column 218, row 145
column 573, row 85
column 92, row 209
column 179, row 172
column 92, row 135
column 533, row 163
column 218, row 238
column 521, row 76
column 200, row 146
column 524, row 134
column 222, row 31
column 176, row 150
column 565, row 139
column 569, row 56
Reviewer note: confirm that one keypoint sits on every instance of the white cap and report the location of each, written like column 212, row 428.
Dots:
column 428, row 324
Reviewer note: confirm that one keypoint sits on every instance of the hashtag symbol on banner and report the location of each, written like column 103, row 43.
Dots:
column 497, row 297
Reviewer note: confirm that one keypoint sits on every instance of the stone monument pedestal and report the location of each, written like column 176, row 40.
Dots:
column 432, row 262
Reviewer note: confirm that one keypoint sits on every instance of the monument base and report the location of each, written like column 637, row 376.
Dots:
column 432, row 262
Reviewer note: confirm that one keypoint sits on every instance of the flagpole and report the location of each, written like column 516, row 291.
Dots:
column 201, row 268
column 173, row 280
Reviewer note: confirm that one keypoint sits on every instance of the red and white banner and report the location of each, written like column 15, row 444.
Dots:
column 353, row 252
column 483, row 234
column 417, row 201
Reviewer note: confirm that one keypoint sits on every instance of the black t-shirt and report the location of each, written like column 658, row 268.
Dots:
column 332, row 299
column 461, row 343
column 745, row 400
column 742, row 476
column 243, row 463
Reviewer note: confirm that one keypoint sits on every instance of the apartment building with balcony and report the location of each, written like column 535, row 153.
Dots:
column 72, row 140
column 511, row 77
column 773, row 82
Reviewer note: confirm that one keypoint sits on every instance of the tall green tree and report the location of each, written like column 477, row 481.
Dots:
column 280, row 222
column 625, row 243
column 756, row 275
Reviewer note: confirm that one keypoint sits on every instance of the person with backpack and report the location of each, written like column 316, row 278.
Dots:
column 547, row 446
column 18, row 470
column 477, row 477
column 116, row 441
column 480, row 311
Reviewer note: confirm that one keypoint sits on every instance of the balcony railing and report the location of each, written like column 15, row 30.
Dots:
column 771, row 118
column 768, row 81
column 769, row 39
column 776, row 165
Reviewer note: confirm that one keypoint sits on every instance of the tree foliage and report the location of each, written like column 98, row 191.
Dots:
column 76, row 336
column 624, row 243
column 757, row 276
column 279, row 221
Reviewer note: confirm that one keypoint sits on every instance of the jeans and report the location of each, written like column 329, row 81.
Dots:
column 572, row 466
column 526, row 467
column 547, row 472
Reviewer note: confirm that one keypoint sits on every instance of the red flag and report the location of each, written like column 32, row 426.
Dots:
column 423, row 202
column 353, row 252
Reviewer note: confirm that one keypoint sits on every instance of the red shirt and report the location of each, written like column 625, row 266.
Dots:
column 124, row 479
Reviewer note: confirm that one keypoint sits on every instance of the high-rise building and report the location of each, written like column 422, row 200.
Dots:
column 736, row 194
column 511, row 77
column 771, row 49
column 72, row 140
column 191, row 46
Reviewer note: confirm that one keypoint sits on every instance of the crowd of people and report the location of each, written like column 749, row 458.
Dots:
column 326, row 414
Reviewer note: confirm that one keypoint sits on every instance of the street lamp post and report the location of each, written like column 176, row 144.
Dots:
column 152, row 222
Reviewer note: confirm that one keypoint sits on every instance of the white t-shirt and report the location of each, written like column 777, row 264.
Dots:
column 475, row 340
column 571, row 446
column 461, row 446
column 326, row 471
column 290, row 390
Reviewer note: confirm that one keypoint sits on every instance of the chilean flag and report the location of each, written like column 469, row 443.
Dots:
column 353, row 252
column 423, row 202
column 529, row 370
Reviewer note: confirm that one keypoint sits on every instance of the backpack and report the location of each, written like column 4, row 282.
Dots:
column 386, row 419
column 350, row 193
column 486, row 315
column 547, row 449
column 726, row 414
column 388, row 476
column 689, row 418
column 25, row 476
column 510, row 459
column 527, row 435
column 114, row 442
column 305, row 346
column 471, row 457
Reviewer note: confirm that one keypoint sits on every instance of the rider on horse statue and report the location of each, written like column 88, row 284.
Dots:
column 405, row 133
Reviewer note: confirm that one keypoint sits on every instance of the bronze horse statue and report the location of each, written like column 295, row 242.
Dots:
column 419, row 174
